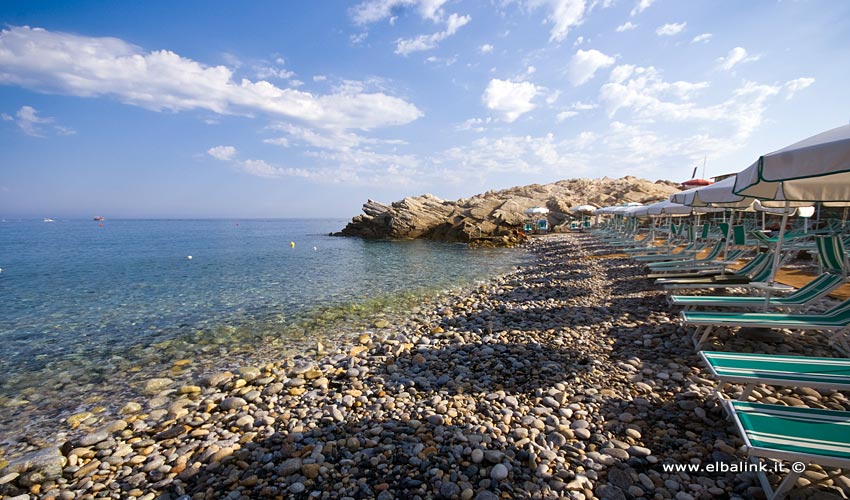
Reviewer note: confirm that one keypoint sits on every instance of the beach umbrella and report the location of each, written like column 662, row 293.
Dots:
column 536, row 211
column 587, row 209
column 721, row 193
column 814, row 169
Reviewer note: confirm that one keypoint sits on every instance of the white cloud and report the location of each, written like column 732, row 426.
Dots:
column 486, row 48
column 372, row 11
column 358, row 38
column 320, row 78
column 222, row 153
column 736, row 56
column 796, row 85
column 585, row 63
column 643, row 93
column 30, row 123
column 582, row 106
column 626, row 27
column 514, row 154
column 474, row 124
column 266, row 72
column 574, row 110
column 512, row 99
column 641, row 6
column 579, row 41
column 621, row 73
column 671, row 29
column 405, row 46
column 704, row 38
column 260, row 168
column 563, row 15
column 324, row 139
column 64, row 63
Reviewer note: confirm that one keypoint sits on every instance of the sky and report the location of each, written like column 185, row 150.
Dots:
column 307, row 109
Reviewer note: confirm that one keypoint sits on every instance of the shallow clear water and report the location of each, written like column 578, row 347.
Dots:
column 80, row 301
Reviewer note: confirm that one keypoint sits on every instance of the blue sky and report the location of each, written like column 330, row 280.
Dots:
column 298, row 109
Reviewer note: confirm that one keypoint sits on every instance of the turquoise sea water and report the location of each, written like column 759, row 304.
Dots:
column 84, row 305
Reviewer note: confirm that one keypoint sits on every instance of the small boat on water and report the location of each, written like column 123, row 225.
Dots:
column 48, row 219
column 98, row 218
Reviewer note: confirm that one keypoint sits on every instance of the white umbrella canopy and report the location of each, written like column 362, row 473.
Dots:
column 615, row 209
column 636, row 211
column 589, row 209
column 720, row 194
column 814, row 169
column 536, row 211
column 667, row 207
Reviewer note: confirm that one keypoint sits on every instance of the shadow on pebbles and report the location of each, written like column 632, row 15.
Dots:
column 568, row 378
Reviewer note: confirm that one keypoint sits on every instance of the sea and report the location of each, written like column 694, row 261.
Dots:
column 90, row 310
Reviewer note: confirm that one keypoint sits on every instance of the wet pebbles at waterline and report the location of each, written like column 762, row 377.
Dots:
column 565, row 379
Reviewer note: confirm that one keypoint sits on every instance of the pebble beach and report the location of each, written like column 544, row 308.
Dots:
column 570, row 377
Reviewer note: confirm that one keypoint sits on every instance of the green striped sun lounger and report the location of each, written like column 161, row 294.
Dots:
column 713, row 254
column 787, row 371
column 836, row 321
column 831, row 254
column 759, row 272
column 755, row 264
column 802, row 436
column 799, row 299
column 684, row 267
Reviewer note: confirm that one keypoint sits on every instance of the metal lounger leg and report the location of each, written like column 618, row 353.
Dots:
column 698, row 343
column 784, row 486
column 748, row 390
column 839, row 340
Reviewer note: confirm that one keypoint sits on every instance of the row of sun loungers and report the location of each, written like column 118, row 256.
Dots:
column 770, row 432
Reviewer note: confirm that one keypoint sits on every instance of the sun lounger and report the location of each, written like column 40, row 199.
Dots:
column 756, row 271
column 836, row 321
column 799, row 299
column 831, row 254
column 788, row 371
column 689, row 266
column 686, row 253
column 802, row 436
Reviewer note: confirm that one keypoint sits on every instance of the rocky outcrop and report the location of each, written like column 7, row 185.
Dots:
column 495, row 217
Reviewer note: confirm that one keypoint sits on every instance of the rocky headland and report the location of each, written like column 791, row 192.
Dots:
column 495, row 217
column 568, row 378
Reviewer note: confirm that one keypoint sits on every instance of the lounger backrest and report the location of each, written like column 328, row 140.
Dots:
column 705, row 229
column 763, row 273
column 715, row 252
column 739, row 235
column 818, row 287
column 753, row 264
column 831, row 254
column 761, row 237
column 840, row 312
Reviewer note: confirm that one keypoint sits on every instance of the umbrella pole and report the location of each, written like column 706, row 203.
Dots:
column 776, row 258
column 844, row 217
column 728, row 233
